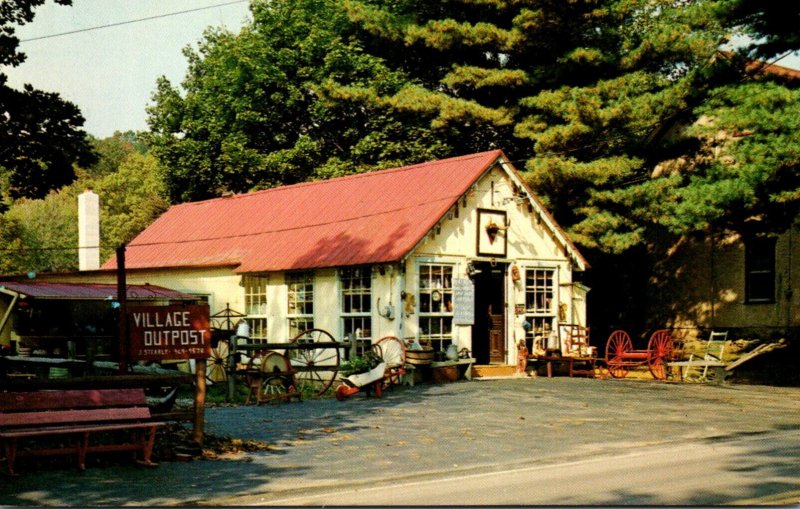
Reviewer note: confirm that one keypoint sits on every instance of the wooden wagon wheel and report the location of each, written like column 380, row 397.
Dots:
column 618, row 344
column 393, row 352
column 316, row 367
column 659, row 352
column 217, row 366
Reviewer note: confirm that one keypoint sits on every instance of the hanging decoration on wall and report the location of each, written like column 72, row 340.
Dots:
column 492, row 233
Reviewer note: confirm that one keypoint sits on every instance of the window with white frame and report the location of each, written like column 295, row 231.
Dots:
column 540, row 292
column 300, row 287
column 436, row 304
column 255, row 305
column 356, row 302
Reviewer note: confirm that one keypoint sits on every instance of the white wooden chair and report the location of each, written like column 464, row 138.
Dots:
column 712, row 357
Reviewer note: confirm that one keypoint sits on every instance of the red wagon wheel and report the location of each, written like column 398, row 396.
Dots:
column 316, row 367
column 659, row 351
column 618, row 344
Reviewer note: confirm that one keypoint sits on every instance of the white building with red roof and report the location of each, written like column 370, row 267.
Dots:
column 457, row 251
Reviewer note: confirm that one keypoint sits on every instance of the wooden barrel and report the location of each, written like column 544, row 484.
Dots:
column 419, row 357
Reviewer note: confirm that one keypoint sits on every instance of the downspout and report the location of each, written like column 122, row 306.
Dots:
column 400, row 312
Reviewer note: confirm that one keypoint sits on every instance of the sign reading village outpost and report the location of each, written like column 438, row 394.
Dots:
column 169, row 332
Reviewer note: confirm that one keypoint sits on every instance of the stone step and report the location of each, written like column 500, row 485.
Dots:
column 493, row 370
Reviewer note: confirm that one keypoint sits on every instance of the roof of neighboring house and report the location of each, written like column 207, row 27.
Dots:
column 90, row 291
column 374, row 217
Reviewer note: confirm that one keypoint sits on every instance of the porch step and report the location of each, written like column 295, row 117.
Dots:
column 493, row 370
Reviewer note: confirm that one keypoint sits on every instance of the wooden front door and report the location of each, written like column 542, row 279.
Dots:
column 497, row 338
column 488, row 332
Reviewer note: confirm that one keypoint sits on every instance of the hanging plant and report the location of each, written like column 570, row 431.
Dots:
column 492, row 229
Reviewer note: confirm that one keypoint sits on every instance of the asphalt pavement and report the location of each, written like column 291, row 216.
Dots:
column 425, row 432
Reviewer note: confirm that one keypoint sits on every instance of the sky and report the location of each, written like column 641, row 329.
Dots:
column 111, row 73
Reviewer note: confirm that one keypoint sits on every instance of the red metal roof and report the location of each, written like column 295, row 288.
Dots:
column 91, row 291
column 374, row 217
column 367, row 218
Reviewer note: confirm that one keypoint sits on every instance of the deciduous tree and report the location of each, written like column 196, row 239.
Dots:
column 41, row 135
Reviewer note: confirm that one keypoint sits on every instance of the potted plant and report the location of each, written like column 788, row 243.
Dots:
column 359, row 364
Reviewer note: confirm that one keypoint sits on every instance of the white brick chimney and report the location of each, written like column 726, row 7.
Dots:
column 88, row 231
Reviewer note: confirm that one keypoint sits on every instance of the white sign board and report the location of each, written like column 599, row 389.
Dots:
column 463, row 301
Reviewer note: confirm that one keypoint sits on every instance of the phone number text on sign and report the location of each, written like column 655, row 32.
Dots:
column 169, row 332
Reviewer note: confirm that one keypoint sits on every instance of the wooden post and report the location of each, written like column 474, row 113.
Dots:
column 199, row 401
column 231, row 368
column 122, row 298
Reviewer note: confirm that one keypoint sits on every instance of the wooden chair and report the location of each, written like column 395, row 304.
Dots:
column 712, row 356
column 576, row 340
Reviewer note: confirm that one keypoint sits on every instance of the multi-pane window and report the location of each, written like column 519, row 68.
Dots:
column 540, row 290
column 300, row 287
column 356, row 302
column 760, row 270
column 255, row 304
column 436, row 305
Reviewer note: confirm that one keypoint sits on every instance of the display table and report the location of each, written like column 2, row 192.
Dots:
column 588, row 364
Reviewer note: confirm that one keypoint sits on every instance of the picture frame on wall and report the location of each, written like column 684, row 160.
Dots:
column 492, row 233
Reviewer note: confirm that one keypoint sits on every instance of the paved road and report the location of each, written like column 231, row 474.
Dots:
column 751, row 470
column 431, row 432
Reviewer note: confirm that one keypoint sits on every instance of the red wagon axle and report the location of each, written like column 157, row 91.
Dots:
column 620, row 355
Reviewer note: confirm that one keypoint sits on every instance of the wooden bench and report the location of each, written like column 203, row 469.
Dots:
column 76, row 415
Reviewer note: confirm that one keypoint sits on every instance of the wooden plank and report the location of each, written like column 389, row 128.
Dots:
column 54, row 400
column 73, row 416
column 65, row 430
column 761, row 349
column 700, row 363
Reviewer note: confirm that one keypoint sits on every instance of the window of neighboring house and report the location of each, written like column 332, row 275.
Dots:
column 356, row 298
column 301, row 301
column 540, row 291
column 255, row 305
column 436, row 305
column 760, row 270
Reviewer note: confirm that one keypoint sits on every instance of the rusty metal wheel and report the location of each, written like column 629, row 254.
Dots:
column 316, row 367
column 619, row 342
column 659, row 352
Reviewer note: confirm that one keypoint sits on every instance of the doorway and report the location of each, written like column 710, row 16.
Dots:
column 488, row 331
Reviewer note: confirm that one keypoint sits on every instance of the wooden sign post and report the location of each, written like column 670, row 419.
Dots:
column 180, row 331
